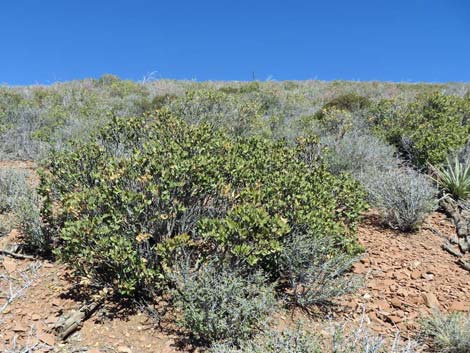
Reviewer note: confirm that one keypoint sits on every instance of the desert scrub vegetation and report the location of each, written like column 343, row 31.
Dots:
column 221, row 304
column 299, row 340
column 403, row 196
column 428, row 128
column 454, row 177
column 20, row 208
column 447, row 333
column 145, row 187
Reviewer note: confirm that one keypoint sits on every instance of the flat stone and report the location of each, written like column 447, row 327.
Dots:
column 9, row 264
column 459, row 306
column 396, row 302
column 430, row 300
column 416, row 274
column 47, row 338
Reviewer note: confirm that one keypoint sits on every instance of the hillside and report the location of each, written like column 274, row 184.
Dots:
column 235, row 217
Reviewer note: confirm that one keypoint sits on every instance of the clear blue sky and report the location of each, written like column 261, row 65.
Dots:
column 43, row 41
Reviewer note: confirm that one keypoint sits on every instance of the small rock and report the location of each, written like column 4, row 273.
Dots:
column 428, row 276
column 47, row 338
column 56, row 302
column 396, row 302
column 415, row 274
column 35, row 317
column 459, row 306
column 430, row 300
column 395, row 319
column 19, row 328
column 383, row 305
column 359, row 268
column 51, row 319
column 124, row 349
column 401, row 275
column 9, row 264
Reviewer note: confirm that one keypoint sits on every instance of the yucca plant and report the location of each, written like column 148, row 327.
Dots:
column 454, row 177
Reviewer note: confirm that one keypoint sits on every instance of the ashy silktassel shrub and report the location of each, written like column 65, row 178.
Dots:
column 404, row 197
column 286, row 341
column 430, row 128
column 118, row 206
column 358, row 152
column 343, row 340
column 454, row 177
column 447, row 333
column 222, row 305
column 361, row 340
column 12, row 189
column 315, row 273
column 19, row 207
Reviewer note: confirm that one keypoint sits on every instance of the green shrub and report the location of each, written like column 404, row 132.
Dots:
column 429, row 128
column 448, row 333
column 403, row 196
column 220, row 305
column 350, row 102
column 118, row 205
column 238, row 115
column 454, row 178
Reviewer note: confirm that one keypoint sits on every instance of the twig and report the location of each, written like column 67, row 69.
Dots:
column 16, row 255
column 435, row 231
column 464, row 264
column 74, row 321
column 448, row 247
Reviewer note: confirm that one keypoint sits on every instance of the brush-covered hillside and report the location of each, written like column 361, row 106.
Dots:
column 235, row 217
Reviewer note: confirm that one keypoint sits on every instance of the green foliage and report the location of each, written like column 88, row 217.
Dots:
column 349, row 102
column 447, row 333
column 238, row 115
column 120, row 205
column 454, row 178
column 220, row 305
column 428, row 129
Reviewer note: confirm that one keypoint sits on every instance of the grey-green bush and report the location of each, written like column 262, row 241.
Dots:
column 298, row 340
column 287, row 341
column 358, row 152
column 222, row 305
column 19, row 207
column 403, row 196
column 13, row 187
column 315, row 272
column 447, row 333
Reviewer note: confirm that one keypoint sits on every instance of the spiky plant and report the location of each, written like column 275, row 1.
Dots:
column 454, row 178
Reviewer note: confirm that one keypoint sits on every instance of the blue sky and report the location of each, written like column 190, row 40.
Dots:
column 43, row 41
